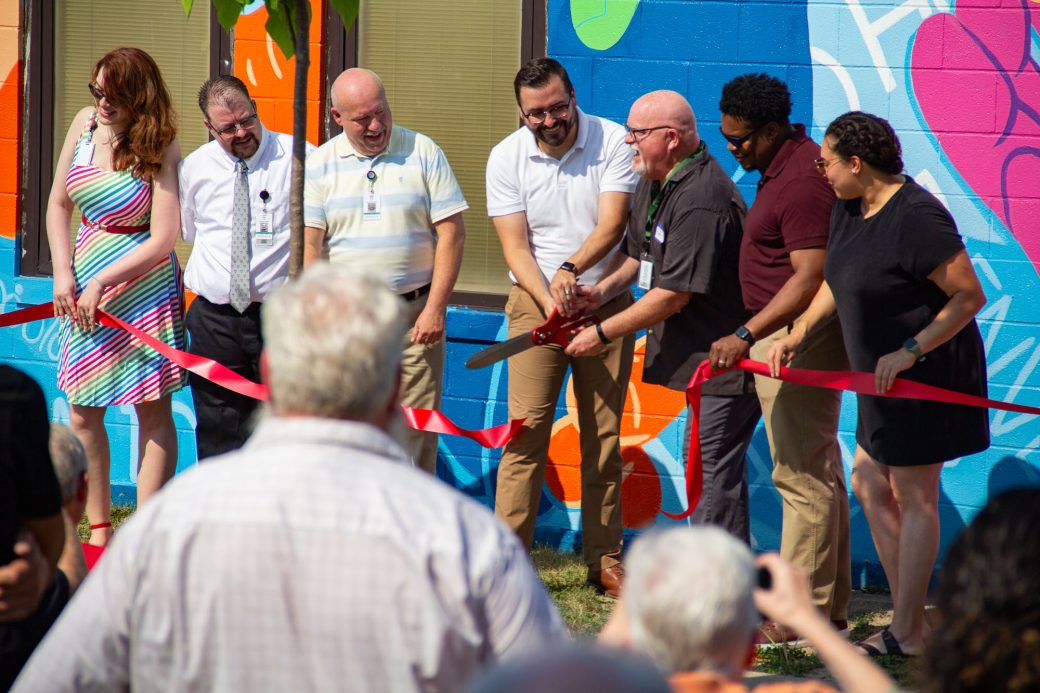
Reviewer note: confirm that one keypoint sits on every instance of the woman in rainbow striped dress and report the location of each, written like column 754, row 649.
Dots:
column 118, row 166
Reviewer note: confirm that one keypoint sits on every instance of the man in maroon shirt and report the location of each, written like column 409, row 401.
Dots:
column 781, row 268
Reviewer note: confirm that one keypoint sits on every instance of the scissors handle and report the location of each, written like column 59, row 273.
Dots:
column 559, row 329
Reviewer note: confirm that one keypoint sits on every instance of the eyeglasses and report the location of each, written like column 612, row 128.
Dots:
column 640, row 134
column 822, row 164
column 738, row 142
column 556, row 112
column 95, row 91
column 232, row 130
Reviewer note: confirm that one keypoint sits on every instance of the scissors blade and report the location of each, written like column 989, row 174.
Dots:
column 502, row 350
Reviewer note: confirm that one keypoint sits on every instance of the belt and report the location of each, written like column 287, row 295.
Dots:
column 116, row 229
column 415, row 294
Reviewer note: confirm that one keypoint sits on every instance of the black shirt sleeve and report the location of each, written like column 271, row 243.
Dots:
column 928, row 237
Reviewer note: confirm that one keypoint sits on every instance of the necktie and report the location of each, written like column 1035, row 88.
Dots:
column 240, row 241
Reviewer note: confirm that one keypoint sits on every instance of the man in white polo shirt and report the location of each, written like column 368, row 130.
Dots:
column 558, row 191
column 383, row 198
column 240, row 253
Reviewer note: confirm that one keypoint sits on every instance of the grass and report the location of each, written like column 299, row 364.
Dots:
column 585, row 612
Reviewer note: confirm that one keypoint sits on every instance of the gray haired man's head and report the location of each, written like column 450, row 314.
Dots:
column 688, row 598
column 69, row 459
column 333, row 343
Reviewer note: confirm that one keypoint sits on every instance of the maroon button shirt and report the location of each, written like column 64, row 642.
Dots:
column 792, row 211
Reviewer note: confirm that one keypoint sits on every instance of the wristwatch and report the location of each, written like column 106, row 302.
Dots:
column 914, row 348
column 569, row 267
column 744, row 333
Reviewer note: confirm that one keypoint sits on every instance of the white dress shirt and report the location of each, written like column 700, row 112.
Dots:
column 314, row 558
column 207, row 185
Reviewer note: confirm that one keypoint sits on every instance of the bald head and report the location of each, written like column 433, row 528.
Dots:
column 359, row 106
column 668, row 108
column 356, row 84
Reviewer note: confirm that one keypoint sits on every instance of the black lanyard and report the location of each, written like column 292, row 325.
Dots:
column 659, row 196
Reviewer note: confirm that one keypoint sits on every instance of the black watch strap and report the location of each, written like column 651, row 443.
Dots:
column 569, row 267
column 914, row 348
column 744, row 333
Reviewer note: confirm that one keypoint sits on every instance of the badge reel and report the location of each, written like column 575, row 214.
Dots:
column 372, row 204
column 264, row 236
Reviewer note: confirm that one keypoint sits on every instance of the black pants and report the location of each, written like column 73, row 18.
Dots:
column 726, row 427
column 224, row 419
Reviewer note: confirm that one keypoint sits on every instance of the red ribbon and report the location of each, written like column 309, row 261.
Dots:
column 420, row 419
column 861, row 383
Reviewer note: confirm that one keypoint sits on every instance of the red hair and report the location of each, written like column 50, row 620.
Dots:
column 133, row 83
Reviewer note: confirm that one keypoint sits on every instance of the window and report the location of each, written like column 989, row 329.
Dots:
column 64, row 40
column 449, row 69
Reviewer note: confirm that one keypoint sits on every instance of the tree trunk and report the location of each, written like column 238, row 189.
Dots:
column 303, row 61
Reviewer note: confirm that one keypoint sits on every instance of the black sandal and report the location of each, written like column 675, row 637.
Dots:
column 892, row 648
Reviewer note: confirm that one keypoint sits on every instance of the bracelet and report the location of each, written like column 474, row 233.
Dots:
column 599, row 333
column 95, row 279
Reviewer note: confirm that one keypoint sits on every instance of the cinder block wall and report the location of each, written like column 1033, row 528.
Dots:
column 960, row 85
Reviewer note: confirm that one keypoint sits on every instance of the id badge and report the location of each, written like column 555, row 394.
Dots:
column 84, row 155
column 372, row 206
column 646, row 271
column 264, row 236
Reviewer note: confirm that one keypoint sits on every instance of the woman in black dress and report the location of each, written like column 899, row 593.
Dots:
column 901, row 283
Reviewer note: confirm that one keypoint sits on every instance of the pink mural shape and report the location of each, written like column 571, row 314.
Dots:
column 978, row 87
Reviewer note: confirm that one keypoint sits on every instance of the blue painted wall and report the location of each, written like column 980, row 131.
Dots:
column 960, row 84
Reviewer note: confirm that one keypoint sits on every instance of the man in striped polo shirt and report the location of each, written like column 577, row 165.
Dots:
column 383, row 197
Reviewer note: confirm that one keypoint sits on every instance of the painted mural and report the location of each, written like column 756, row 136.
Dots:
column 961, row 84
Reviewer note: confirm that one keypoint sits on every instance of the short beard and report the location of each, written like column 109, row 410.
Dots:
column 555, row 140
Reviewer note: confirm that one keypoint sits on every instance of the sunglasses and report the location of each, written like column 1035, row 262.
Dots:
column 738, row 142
column 95, row 91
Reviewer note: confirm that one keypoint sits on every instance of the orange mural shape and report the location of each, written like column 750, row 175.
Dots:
column 649, row 409
column 10, row 124
column 260, row 64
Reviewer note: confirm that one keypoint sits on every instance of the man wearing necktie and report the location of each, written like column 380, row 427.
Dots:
column 235, row 210
column 683, row 246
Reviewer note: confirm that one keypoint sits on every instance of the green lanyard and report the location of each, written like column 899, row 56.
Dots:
column 658, row 196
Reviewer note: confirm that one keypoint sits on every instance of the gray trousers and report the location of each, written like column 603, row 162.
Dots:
column 726, row 427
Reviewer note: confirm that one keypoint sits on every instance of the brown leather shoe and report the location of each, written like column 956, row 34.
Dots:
column 607, row 581
column 771, row 634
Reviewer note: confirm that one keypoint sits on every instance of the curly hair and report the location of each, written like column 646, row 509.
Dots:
column 133, row 83
column 867, row 136
column 989, row 602
column 756, row 98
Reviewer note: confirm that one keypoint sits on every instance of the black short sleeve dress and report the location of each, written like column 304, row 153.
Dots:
column 878, row 270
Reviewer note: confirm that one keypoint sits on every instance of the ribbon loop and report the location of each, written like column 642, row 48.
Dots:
column 427, row 420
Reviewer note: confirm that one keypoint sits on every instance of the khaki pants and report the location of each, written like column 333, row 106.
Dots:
column 801, row 424
column 600, row 384
column 422, row 371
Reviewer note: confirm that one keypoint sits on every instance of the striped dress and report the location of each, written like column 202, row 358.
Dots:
column 108, row 366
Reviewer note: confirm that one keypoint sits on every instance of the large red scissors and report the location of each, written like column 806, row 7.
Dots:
column 558, row 329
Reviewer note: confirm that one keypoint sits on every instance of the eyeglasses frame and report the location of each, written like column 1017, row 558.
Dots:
column 232, row 130
column 539, row 117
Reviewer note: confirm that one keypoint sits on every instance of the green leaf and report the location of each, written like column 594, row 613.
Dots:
column 347, row 11
column 280, row 26
column 228, row 12
column 187, row 7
